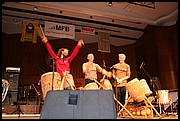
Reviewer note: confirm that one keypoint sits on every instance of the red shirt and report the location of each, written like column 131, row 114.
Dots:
column 60, row 65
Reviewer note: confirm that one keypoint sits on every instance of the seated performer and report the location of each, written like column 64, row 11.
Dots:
column 62, row 62
column 90, row 70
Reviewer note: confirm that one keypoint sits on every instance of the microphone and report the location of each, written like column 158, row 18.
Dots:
column 54, row 58
column 63, row 58
column 142, row 64
column 62, row 55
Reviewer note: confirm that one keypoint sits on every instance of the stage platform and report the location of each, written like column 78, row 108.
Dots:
column 37, row 116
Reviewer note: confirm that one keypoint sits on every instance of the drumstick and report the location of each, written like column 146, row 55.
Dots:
column 99, row 83
column 40, row 31
column 102, row 80
column 36, row 89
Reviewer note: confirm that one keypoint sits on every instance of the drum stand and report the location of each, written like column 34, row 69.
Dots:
column 151, row 106
column 146, row 101
column 123, row 107
column 65, row 79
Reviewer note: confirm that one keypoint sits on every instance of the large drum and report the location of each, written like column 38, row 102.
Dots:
column 46, row 82
column 135, row 89
column 91, row 86
column 146, row 88
column 106, row 84
column 163, row 97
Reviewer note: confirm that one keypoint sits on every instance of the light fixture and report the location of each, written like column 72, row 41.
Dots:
column 109, row 3
column 35, row 8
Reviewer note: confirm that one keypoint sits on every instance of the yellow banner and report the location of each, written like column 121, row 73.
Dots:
column 29, row 31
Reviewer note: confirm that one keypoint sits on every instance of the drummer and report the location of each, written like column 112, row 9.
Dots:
column 121, row 72
column 62, row 62
column 90, row 70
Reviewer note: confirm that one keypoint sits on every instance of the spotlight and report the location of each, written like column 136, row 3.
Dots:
column 109, row 3
column 35, row 8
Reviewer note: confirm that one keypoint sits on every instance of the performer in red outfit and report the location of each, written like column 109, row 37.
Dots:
column 62, row 62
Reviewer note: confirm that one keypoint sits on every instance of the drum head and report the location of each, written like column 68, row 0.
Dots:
column 135, row 89
column 91, row 86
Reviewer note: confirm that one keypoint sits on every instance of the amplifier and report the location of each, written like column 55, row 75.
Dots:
column 13, row 79
column 13, row 69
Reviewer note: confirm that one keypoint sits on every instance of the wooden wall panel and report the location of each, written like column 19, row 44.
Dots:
column 158, row 48
column 34, row 60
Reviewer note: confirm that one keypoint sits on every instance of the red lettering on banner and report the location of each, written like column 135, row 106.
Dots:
column 87, row 30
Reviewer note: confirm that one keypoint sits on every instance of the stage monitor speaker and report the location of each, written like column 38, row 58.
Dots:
column 13, row 79
column 79, row 104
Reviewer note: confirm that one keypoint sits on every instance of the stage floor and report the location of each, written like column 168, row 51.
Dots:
column 37, row 116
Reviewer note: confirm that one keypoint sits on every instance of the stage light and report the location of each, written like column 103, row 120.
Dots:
column 109, row 3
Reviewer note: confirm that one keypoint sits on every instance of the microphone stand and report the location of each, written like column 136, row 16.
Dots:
column 151, row 82
column 53, row 72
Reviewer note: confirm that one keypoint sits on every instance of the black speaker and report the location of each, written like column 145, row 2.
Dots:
column 13, row 79
column 79, row 104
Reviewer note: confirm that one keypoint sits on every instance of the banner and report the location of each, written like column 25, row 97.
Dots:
column 87, row 30
column 59, row 30
column 11, row 20
column 29, row 31
column 103, row 42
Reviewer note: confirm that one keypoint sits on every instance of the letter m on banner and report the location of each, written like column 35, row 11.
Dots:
column 104, row 41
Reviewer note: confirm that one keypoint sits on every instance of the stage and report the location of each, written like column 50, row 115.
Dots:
column 91, row 103
column 37, row 116
column 34, row 112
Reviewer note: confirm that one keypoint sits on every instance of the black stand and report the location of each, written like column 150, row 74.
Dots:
column 53, row 72
column 154, row 87
column 18, row 110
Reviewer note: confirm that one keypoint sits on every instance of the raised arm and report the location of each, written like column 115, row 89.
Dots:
column 48, row 46
column 76, row 50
